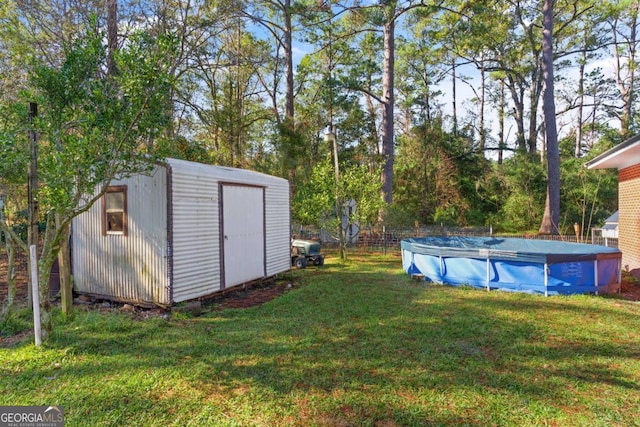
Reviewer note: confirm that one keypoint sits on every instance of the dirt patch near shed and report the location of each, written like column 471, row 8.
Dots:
column 249, row 296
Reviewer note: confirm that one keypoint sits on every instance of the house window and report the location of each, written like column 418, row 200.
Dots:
column 114, row 211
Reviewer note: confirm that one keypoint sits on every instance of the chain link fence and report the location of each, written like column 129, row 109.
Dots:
column 383, row 239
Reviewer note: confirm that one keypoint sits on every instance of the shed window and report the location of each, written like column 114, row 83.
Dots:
column 114, row 211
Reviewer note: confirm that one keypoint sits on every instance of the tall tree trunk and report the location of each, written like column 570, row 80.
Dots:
column 551, row 217
column 631, row 64
column 517, row 96
column 534, row 97
column 387, row 111
column 288, row 57
column 289, row 121
column 454, row 106
column 583, row 63
column 112, row 35
column 7, row 306
column 64, row 263
column 44, row 272
column 501, row 107
column 483, row 91
column 427, row 97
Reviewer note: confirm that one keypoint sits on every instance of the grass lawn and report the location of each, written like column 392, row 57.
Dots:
column 352, row 344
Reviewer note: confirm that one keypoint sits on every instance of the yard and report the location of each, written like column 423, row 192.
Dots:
column 351, row 343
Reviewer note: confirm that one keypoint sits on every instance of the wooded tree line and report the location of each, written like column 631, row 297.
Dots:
column 258, row 84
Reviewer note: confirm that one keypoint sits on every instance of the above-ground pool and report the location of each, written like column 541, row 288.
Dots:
column 536, row 266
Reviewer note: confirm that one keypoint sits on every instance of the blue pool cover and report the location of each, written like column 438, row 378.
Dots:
column 540, row 266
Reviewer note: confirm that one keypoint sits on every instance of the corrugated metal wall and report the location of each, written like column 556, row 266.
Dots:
column 132, row 267
column 137, row 267
column 196, row 225
column 196, row 231
column 278, row 227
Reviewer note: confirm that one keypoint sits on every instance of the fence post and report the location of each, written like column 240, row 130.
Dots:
column 32, row 188
column 384, row 239
column 37, row 329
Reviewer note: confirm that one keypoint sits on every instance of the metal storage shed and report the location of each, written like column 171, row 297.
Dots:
column 184, row 231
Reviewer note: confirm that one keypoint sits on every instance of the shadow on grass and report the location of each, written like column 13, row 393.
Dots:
column 360, row 345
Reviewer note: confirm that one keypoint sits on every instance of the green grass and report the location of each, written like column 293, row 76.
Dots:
column 356, row 343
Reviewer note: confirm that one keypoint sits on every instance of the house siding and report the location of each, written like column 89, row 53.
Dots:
column 629, row 221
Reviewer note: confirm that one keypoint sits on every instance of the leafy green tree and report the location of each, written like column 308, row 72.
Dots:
column 12, row 49
column 436, row 178
column 419, row 72
column 600, row 93
column 591, row 36
column 274, row 23
column 504, row 39
column 92, row 128
column 13, row 191
column 588, row 196
column 382, row 16
column 331, row 99
column 323, row 201
column 519, row 185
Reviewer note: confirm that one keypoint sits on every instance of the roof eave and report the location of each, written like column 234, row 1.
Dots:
column 621, row 156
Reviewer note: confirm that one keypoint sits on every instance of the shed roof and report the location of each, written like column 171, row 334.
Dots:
column 621, row 156
column 613, row 218
column 225, row 172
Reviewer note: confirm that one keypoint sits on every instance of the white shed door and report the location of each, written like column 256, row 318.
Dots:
column 243, row 234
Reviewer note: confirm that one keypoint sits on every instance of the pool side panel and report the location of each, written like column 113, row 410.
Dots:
column 518, row 276
column 571, row 273
column 429, row 266
column 465, row 271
